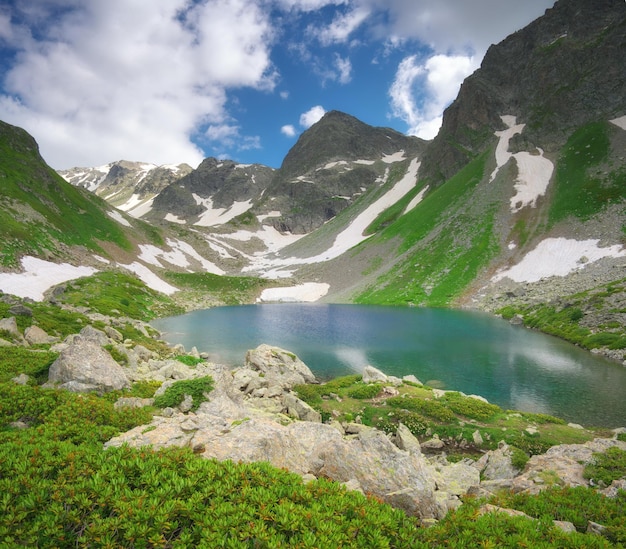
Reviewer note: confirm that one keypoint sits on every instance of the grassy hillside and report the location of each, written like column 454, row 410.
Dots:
column 43, row 214
column 443, row 242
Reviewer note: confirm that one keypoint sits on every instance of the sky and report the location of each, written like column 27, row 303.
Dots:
column 172, row 81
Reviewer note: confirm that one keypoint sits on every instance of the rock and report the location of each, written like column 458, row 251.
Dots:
column 300, row 410
column 22, row 379
column 616, row 485
column 5, row 343
column 477, row 438
column 353, row 485
column 132, row 402
column 113, row 334
column 186, row 404
column 373, row 375
column 497, row 464
column 20, row 310
column 10, row 325
column 89, row 333
column 565, row 526
column 279, row 366
column 34, row 335
column 85, row 366
column 597, row 529
column 456, row 478
column 399, row 478
column 434, row 443
column 412, row 379
column 405, row 440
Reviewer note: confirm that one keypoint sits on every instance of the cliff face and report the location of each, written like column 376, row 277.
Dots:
column 565, row 69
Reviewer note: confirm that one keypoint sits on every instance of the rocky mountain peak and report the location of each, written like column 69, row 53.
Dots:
column 563, row 70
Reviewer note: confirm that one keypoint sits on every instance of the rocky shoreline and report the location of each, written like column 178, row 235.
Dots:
column 253, row 414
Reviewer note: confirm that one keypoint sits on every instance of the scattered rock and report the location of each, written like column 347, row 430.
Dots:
column 22, row 379
column 20, row 310
column 34, row 335
column 10, row 325
column 373, row 375
column 85, row 366
column 405, row 440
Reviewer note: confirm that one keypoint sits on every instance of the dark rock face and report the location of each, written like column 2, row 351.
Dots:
column 563, row 70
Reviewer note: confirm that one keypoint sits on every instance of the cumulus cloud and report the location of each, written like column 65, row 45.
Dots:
column 438, row 80
column 344, row 69
column 288, row 130
column 341, row 27
column 313, row 115
column 135, row 80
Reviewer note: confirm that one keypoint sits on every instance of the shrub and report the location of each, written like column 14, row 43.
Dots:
column 473, row 408
column 176, row 392
column 607, row 467
column 431, row 408
column 189, row 360
column 308, row 393
column 361, row 391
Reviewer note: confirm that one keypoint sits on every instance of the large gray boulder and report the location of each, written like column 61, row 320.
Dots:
column 84, row 366
column 280, row 367
column 397, row 477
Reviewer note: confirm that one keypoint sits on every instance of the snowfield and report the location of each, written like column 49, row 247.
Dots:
column 534, row 170
column 38, row 276
column 558, row 257
column 307, row 292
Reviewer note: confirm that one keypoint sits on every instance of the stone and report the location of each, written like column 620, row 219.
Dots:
column 565, row 526
column 497, row 464
column 412, row 379
column 132, row 402
column 34, row 335
column 456, row 478
column 300, row 410
column 85, row 366
column 279, row 366
column 373, row 375
column 10, row 325
column 405, row 440
column 22, row 379
column 399, row 478
column 89, row 333
column 434, row 443
column 477, row 438
column 20, row 310
column 113, row 334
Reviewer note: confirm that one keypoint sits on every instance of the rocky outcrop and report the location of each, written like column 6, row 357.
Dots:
column 83, row 365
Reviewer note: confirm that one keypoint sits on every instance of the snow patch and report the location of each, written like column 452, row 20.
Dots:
column 263, row 217
column 365, row 162
column 416, row 200
column 395, row 157
column 558, row 257
column 150, row 279
column 40, row 275
column 176, row 256
column 114, row 214
column 174, row 219
column 307, row 292
column 218, row 216
column 534, row 170
column 620, row 122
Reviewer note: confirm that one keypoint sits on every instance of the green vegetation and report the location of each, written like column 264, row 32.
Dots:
column 18, row 360
column 117, row 294
column 577, row 505
column 218, row 289
column 584, row 184
column 607, row 467
column 189, row 360
column 566, row 317
column 41, row 210
column 453, row 416
column 443, row 245
column 196, row 388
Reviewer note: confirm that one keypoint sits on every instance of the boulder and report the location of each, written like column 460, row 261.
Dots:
column 20, row 310
column 397, row 477
column 85, row 366
column 374, row 375
column 279, row 366
column 34, row 335
column 10, row 325
column 405, row 440
column 300, row 410
column 497, row 464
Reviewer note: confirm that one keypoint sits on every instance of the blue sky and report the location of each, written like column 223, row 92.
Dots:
column 171, row 81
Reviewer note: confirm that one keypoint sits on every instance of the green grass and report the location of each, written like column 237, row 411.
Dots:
column 117, row 294
column 196, row 388
column 583, row 184
column 443, row 246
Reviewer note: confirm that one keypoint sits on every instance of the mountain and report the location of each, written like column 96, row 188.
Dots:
column 129, row 186
column 517, row 206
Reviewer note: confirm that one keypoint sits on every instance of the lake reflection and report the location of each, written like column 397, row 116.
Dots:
column 466, row 351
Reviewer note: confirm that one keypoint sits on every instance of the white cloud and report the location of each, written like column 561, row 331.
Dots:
column 284, row 94
column 341, row 27
column 313, row 115
column 344, row 68
column 288, row 130
column 113, row 80
column 420, row 92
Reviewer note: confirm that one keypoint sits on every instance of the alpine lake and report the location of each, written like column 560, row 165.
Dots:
column 475, row 353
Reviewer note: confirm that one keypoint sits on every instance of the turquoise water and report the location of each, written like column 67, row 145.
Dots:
column 476, row 353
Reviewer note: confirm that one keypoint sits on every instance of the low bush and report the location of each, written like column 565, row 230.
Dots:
column 470, row 407
column 175, row 393
column 189, row 360
column 607, row 467
column 431, row 408
column 362, row 391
